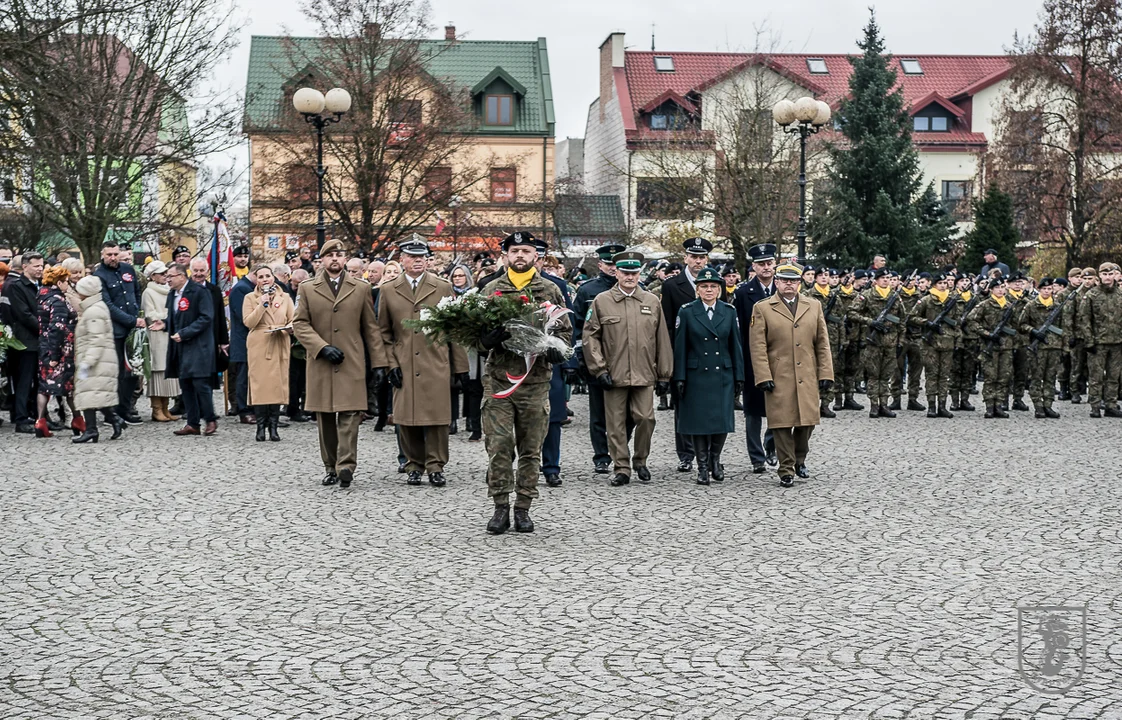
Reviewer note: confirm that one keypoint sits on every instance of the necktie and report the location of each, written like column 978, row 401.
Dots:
column 710, row 313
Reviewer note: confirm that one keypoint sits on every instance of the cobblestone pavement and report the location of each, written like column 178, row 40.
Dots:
column 166, row 577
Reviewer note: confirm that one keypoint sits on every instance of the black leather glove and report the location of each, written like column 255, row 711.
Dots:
column 494, row 338
column 554, row 356
column 934, row 326
column 765, row 386
column 395, row 377
column 662, row 387
column 379, row 376
column 1091, row 349
column 879, row 327
column 332, row 354
column 1036, row 334
column 994, row 337
column 605, row 380
column 570, row 375
column 681, row 386
column 738, row 387
column 824, row 385
column 1072, row 342
column 460, row 381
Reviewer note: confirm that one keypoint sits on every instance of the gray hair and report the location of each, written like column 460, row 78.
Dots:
column 300, row 274
column 72, row 264
column 281, row 270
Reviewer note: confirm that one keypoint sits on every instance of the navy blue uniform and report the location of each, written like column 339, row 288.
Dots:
column 121, row 294
column 597, row 422
column 744, row 299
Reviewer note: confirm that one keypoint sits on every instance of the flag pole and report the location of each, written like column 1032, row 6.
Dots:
column 214, row 246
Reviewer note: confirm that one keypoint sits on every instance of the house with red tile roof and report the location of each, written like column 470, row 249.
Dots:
column 953, row 100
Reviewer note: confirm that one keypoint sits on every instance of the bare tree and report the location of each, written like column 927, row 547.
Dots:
column 106, row 119
column 405, row 148
column 1058, row 142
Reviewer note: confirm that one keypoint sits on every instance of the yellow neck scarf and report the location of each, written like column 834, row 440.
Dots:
column 999, row 300
column 1045, row 301
column 520, row 279
column 966, row 295
column 823, row 290
column 1016, row 295
column 847, row 290
column 730, row 289
column 908, row 291
column 883, row 292
column 940, row 295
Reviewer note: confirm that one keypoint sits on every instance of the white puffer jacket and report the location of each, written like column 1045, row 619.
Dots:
column 95, row 358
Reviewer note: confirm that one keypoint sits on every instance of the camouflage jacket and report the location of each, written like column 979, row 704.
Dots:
column 867, row 307
column 984, row 319
column 835, row 322
column 927, row 310
column 501, row 361
column 1035, row 314
column 1100, row 316
column 907, row 304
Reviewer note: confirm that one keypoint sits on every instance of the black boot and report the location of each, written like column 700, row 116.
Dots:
column 1112, row 411
column 262, row 414
column 964, row 403
column 990, row 411
column 895, row 403
column 943, row 411
column 915, row 405
column 115, row 420
column 273, row 421
column 90, row 434
column 932, row 410
column 701, row 450
column 1050, row 413
column 453, row 428
column 851, row 404
column 886, row 412
column 999, row 411
column 1019, row 404
column 1095, row 412
column 825, row 411
column 500, row 521
column 522, row 521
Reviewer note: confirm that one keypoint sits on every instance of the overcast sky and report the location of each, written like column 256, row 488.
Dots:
column 574, row 30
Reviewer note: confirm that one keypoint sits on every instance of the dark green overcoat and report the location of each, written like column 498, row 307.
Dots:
column 708, row 357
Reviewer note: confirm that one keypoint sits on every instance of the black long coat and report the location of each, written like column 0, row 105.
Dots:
column 191, row 317
column 744, row 299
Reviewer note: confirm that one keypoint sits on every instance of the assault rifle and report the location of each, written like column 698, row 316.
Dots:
column 1048, row 326
column 942, row 319
column 830, row 306
column 886, row 313
column 1002, row 328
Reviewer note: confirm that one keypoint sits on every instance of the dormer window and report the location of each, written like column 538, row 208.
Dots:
column 664, row 63
column 500, row 110
column 934, row 123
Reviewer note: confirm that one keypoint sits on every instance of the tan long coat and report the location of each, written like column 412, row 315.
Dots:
column 425, row 395
column 794, row 353
column 346, row 321
column 267, row 353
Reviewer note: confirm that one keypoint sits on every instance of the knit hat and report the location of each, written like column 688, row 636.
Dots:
column 88, row 286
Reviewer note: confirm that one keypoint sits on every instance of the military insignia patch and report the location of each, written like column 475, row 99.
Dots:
column 588, row 315
column 677, row 322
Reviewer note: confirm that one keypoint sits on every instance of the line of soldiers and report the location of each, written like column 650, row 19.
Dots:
column 892, row 329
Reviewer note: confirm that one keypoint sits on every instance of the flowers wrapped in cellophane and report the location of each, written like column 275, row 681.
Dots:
column 464, row 320
column 530, row 338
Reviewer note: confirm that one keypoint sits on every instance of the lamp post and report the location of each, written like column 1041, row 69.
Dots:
column 455, row 202
column 311, row 103
column 805, row 116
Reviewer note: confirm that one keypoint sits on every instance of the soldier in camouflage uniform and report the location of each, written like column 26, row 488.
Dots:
column 1074, row 280
column 1077, row 381
column 910, row 356
column 1020, row 294
column 1045, row 361
column 852, row 338
column 879, row 355
column 1100, row 327
column 966, row 350
column 935, row 317
column 991, row 321
column 829, row 298
column 518, row 423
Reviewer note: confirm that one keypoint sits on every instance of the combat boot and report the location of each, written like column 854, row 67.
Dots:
column 943, row 411
column 895, row 403
column 1019, row 404
column 1038, row 412
column 1050, row 413
column 1000, row 411
column 990, row 414
column 839, row 404
column 825, row 411
column 885, row 412
column 1113, row 411
column 702, row 465
column 851, row 404
column 500, row 521
column 522, row 521
column 932, row 409
column 955, row 401
column 916, row 405
column 1095, row 412
column 964, row 404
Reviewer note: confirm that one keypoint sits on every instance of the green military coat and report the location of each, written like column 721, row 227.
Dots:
column 708, row 357
column 928, row 309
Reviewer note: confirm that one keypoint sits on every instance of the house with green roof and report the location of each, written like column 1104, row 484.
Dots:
column 505, row 83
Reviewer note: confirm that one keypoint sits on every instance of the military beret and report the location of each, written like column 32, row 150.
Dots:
column 1061, row 281
column 728, row 270
column 935, row 277
column 860, row 273
column 882, row 272
column 291, row 255
column 928, row 276
column 820, row 270
column 834, row 272
column 487, row 262
column 697, row 246
column 241, row 250
column 1047, row 281
column 708, row 274
column 330, row 246
column 1074, row 272
column 180, row 249
column 1018, row 275
column 521, row 237
column 1106, row 267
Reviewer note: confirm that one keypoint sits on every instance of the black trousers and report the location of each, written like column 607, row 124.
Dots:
column 598, row 424
column 126, row 382
column 297, row 383
column 24, row 367
column 473, row 402
column 198, row 399
column 239, row 386
column 683, row 444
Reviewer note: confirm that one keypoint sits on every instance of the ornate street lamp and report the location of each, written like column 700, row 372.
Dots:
column 805, row 116
column 455, row 202
column 311, row 103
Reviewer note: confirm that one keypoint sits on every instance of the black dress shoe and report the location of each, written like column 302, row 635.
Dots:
column 787, row 481
column 414, row 477
column 758, row 468
column 345, row 477
column 619, row 479
column 553, row 480
column 702, row 475
column 436, row 479
column 25, row 429
column 801, row 471
column 54, row 427
column 685, row 466
column 500, row 521
column 453, row 428
column 380, row 425
column 401, row 467
column 133, row 419
column 603, row 468
column 522, row 521
column 644, row 474
column 299, row 417
column 330, row 479
column 475, row 436
column 772, row 459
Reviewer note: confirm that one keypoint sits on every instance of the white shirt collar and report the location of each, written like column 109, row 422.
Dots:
column 628, row 294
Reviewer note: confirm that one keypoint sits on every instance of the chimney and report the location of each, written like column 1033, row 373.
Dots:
column 611, row 57
column 449, row 31
column 372, row 31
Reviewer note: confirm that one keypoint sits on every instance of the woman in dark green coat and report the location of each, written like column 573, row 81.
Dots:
column 709, row 372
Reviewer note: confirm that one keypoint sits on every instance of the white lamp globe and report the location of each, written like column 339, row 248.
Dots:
column 308, row 100
column 338, row 100
column 784, row 112
column 806, row 109
column 823, row 114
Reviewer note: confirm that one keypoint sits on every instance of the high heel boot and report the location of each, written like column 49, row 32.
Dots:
column 274, row 420
column 89, row 431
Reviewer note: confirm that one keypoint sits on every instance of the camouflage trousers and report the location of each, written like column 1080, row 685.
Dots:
column 1018, row 383
column 1045, row 367
column 997, row 368
column 1104, row 372
column 880, row 363
column 964, row 366
column 515, row 426
column 937, row 371
column 851, row 366
column 909, row 363
column 837, row 355
column 1078, row 374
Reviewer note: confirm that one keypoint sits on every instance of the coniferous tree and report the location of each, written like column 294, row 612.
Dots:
column 875, row 203
column 994, row 228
